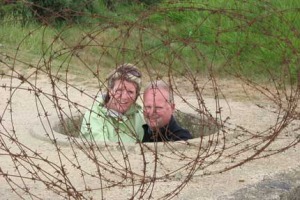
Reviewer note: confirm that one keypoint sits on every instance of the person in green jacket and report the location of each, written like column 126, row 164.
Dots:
column 116, row 117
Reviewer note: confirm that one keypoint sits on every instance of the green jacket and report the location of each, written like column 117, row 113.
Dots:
column 102, row 124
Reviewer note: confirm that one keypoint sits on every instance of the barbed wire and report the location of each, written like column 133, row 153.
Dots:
column 46, row 95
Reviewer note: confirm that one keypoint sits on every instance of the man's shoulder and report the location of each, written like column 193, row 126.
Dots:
column 179, row 131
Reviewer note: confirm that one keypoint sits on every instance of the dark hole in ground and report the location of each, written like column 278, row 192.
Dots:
column 198, row 126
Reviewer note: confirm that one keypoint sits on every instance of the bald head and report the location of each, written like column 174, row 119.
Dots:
column 158, row 104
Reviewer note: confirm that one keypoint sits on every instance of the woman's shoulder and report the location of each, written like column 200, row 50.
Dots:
column 135, row 108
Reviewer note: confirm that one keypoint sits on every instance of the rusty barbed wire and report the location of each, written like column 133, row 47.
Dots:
column 44, row 96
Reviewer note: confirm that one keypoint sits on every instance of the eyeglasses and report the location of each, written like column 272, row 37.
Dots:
column 129, row 70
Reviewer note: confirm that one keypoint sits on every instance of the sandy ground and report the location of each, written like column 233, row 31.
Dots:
column 34, row 164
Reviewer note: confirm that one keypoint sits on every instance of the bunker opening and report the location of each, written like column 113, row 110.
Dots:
column 198, row 126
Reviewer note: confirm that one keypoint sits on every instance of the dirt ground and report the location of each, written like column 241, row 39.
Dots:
column 25, row 148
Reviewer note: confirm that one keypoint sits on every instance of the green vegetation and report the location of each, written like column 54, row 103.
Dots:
column 257, row 39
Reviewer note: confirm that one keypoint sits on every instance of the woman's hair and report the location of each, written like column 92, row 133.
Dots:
column 125, row 72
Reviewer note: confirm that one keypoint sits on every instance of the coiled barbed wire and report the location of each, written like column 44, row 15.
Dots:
column 46, row 94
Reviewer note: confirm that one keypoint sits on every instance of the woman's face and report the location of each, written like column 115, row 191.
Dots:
column 123, row 95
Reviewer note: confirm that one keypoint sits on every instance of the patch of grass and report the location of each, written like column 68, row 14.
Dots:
column 247, row 38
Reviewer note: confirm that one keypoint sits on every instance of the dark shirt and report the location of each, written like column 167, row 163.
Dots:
column 170, row 132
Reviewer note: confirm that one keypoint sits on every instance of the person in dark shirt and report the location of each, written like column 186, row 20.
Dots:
column 158, row 113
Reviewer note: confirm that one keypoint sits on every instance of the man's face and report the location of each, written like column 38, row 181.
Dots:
column 123, row 95
column 157, row 108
